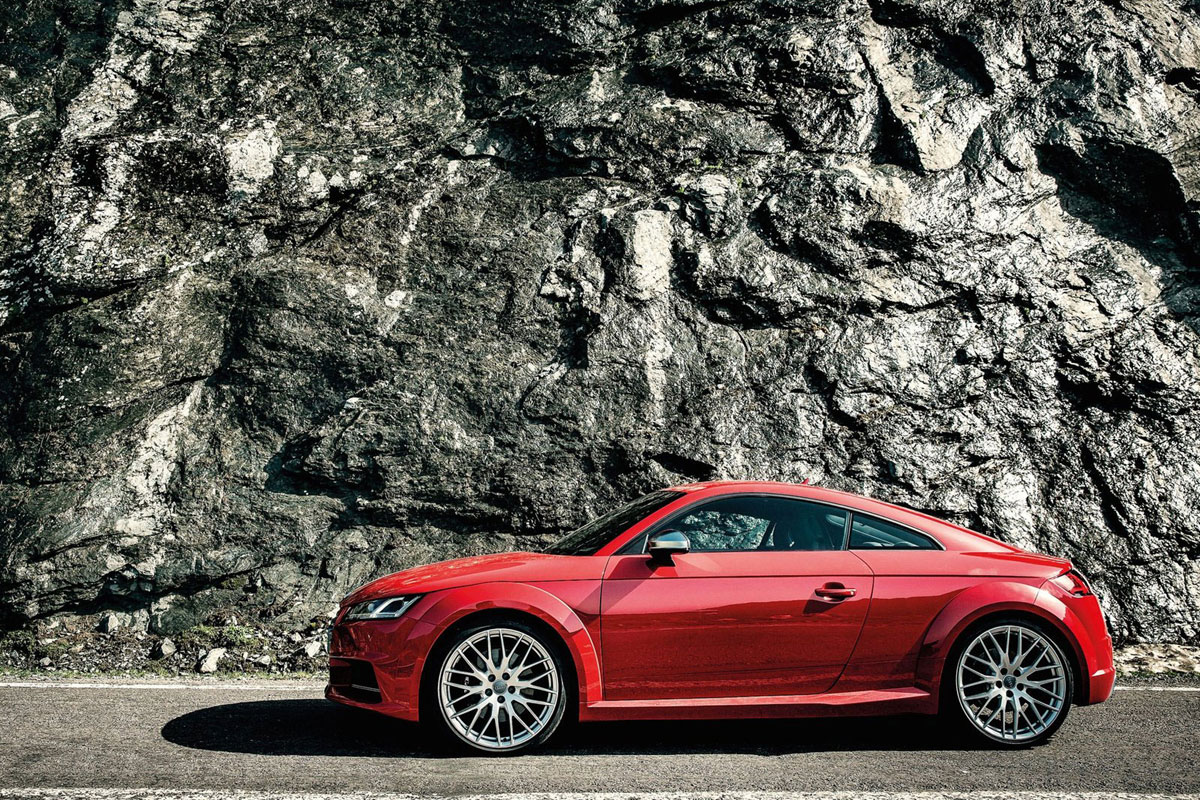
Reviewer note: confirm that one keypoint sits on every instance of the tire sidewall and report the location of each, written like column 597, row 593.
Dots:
column 951, row 706
column 432, row 715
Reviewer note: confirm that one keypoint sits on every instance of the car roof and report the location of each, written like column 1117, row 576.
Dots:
column 953, row 537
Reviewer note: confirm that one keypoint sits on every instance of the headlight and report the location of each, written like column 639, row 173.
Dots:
column 383, row 608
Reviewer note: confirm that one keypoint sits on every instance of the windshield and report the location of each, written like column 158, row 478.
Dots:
column 591, row 537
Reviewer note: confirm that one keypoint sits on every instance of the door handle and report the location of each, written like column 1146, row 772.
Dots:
column 835, row 591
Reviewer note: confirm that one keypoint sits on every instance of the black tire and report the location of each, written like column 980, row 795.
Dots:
column 436, row 717
column 957, row 710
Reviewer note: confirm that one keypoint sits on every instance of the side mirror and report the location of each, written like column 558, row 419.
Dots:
column 665, row 544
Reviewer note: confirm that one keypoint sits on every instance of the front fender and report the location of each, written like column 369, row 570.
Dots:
column 980, row 601
column 453, row 605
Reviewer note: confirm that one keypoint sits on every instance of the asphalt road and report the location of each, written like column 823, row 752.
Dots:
column 286, row 738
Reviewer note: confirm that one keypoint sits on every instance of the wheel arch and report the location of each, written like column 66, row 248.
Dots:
column 461, row 608
column 995, row 600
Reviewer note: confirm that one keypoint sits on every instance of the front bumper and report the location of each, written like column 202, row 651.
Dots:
column 353, row 680
column 376, row 665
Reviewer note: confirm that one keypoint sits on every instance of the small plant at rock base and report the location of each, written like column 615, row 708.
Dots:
column 235, row 636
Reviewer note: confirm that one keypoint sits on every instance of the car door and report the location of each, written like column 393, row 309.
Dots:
column 767, row 602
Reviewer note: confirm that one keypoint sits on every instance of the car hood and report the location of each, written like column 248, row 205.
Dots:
column 511, row 567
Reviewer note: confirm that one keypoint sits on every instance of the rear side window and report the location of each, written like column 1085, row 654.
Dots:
column 872, row 533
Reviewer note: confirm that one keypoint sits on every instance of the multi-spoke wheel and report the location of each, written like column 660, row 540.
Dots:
column 500, row 687
column 1012, row 683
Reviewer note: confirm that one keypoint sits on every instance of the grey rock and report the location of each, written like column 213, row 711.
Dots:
column 163, row 649
column 210, row 660
column 109, row 623
column 45, row 662
column 295, row 296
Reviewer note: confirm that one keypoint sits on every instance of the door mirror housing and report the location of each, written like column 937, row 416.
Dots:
column 664, row 545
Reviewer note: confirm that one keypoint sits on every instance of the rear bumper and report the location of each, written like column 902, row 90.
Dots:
column 1097, row 651
column 1100, row 685
column 1084, row 619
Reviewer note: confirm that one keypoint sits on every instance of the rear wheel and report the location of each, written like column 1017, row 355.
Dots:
column 499, row 688
column 1010, row 683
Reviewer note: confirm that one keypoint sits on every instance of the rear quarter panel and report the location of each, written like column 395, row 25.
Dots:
column 922, row 599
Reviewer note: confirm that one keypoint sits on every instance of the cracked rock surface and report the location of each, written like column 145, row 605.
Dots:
column 296, row 293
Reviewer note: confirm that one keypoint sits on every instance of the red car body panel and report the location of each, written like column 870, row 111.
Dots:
column 696, row 629
column 398, row 649
column 496, row 568
column 731, row 634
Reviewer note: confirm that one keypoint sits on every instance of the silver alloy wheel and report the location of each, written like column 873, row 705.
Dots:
column 1011, row 683
column 499, row 688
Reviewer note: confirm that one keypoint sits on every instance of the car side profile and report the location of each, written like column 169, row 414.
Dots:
column 729, row 600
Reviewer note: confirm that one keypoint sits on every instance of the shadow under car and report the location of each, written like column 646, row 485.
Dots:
column 318, row 727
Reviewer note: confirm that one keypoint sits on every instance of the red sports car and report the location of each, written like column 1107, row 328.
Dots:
column 720, row 600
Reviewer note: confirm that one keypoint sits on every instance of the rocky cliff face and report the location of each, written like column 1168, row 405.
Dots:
column 297, row 292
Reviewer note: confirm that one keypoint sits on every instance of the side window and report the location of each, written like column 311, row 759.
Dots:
column 762, row 523
column 735, row 523
column 807, row 526
column 871, row 533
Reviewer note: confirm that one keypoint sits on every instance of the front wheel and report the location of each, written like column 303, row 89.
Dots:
column 499, row 688
column 1010, row 683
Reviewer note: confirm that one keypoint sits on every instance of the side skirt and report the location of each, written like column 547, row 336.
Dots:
column 866, row 703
